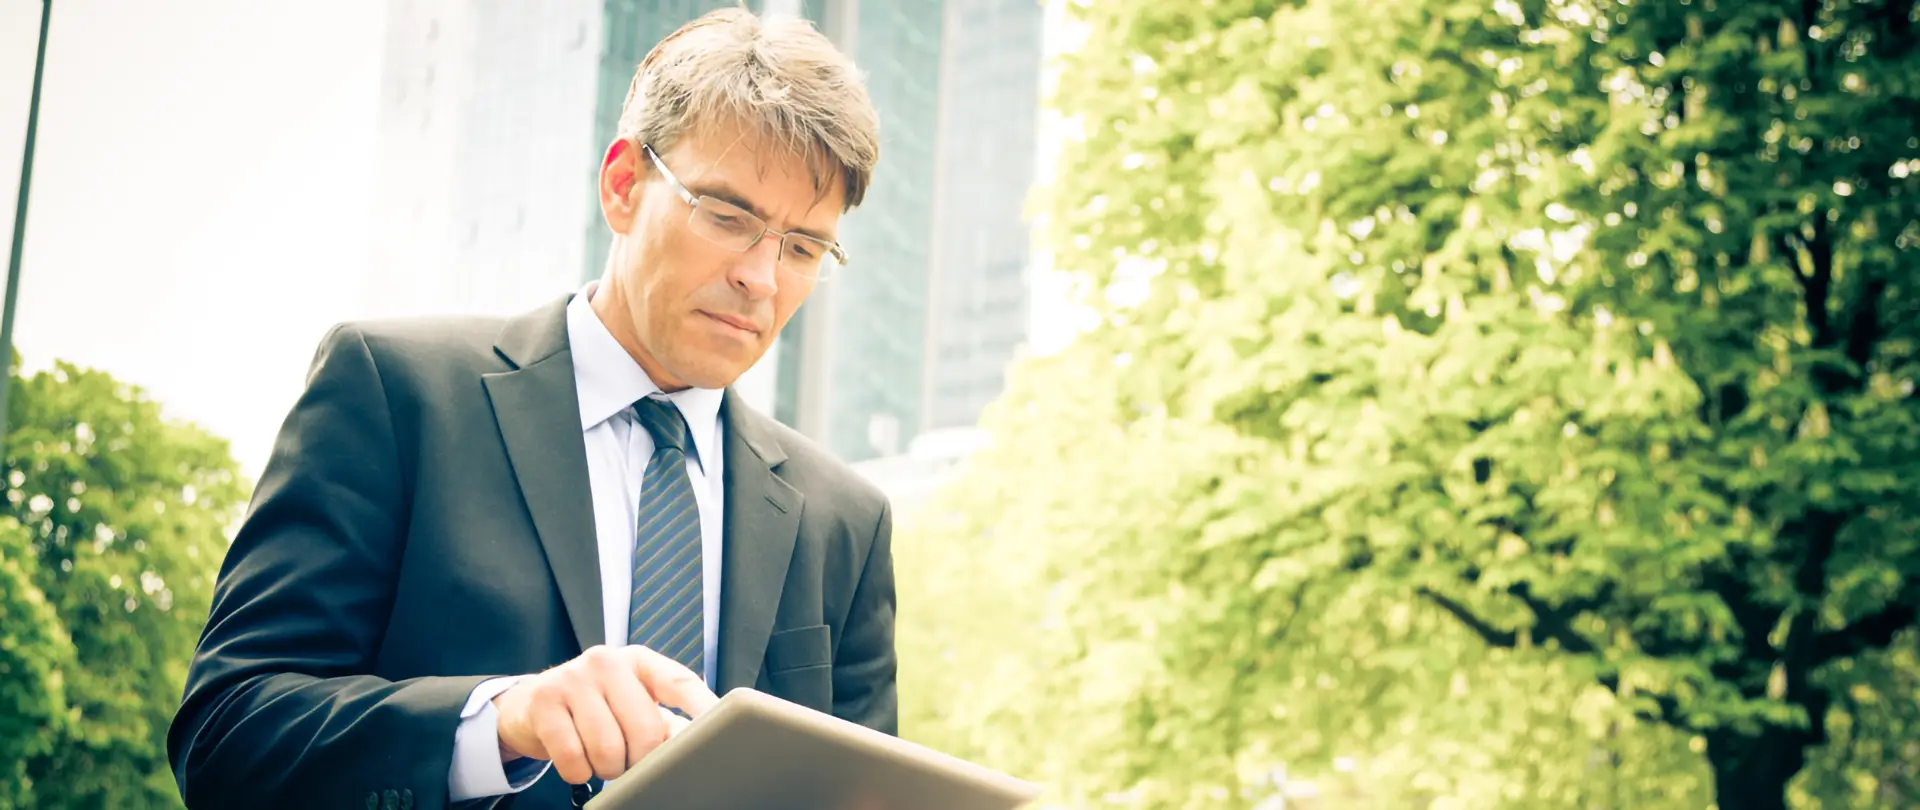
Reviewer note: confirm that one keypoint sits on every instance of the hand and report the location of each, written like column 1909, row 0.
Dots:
column 598, row 714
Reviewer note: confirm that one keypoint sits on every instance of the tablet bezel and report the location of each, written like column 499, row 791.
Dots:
column 961, row 783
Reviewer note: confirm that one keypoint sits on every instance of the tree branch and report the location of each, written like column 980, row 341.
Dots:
column 1298, row 600
column 1493, row 635
column 1667, row 708
column 1864, row 330
column 1809, row 19
column 1557, row 622
column 1788, row 246
column 1872, row 631
column 1819, row 282
column 1666, row 711
column 1799, row 655
column 1755, row 619
column 1897, row 22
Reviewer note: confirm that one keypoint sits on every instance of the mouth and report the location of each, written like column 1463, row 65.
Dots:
column 733, row 321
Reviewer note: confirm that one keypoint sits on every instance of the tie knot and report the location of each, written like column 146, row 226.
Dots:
column 664, row 423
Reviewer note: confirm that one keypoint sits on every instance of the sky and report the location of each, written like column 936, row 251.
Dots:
column 201, row 197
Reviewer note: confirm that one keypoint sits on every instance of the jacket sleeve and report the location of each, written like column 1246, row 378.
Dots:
column 865, row 668
column 280, row 709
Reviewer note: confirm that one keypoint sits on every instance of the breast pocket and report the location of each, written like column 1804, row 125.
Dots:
column 799, row 666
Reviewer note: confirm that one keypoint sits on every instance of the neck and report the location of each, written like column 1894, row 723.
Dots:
column 609, row 304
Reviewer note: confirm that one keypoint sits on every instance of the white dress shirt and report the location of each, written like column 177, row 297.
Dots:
column 618, row 448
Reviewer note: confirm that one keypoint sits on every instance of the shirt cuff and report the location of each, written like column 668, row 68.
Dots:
column 477, row 770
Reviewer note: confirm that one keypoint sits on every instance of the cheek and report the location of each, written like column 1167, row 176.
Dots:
column 665, row 306
column 663, row 270
column 792, row 294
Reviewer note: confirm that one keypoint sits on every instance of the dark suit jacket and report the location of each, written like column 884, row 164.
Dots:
column 425, row 523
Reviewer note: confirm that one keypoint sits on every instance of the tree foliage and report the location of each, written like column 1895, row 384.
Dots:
column 116, row 522
column 35, row 656
column 1516, row 398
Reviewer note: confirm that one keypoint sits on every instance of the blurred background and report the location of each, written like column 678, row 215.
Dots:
column 1309, row 404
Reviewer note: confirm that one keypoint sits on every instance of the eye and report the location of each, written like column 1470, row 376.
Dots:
column 804, row 250
column 731, row 222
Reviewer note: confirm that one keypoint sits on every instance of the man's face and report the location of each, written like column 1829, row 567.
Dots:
column 692, row 312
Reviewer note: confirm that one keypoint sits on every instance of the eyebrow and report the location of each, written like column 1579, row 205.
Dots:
column 725, row 193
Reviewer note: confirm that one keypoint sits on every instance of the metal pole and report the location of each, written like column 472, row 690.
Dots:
column 20, row 229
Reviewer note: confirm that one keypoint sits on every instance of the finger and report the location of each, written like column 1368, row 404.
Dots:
column 634, row 709
column 606, row 746
column 553, row 724
column 671, row 683
column 675, row 723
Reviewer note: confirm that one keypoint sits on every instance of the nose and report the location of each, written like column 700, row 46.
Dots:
column 757, row 272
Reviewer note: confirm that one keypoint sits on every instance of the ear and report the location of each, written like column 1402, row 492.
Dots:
column 620, row 174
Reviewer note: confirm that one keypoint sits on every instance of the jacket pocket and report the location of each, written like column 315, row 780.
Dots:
column 800, row 648
column 799, row 666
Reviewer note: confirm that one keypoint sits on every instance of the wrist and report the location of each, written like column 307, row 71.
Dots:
column 507, row 752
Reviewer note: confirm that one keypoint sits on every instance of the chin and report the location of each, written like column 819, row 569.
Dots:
column 711, row 374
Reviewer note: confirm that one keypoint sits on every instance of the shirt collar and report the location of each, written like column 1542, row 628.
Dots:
column 609, row 381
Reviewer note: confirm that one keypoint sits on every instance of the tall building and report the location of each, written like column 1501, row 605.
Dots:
column 485, row 111
column 989, row 124
column 854, row 377
column 916, row 334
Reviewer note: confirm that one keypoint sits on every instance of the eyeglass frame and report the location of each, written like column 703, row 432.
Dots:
column 692, row 200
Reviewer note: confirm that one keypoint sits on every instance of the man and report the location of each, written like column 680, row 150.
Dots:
column 484, row 550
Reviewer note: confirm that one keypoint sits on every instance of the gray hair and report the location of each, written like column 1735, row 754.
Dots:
column 778, row 76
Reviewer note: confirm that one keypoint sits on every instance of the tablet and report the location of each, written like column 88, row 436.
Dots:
column 753, row 750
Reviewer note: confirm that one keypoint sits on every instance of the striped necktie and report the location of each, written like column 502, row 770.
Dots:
column 664, row 611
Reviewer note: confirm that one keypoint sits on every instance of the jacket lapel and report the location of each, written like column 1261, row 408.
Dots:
column 537, row 409
column 762, row 524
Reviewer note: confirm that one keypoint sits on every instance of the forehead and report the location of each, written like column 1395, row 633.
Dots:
column 744, row 167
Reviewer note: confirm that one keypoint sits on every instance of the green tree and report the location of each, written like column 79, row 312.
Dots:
column 1587, row 328
column 125, row 516
column 35, row 658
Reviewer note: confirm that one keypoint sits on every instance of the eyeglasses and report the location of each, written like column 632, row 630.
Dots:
column 738, row 230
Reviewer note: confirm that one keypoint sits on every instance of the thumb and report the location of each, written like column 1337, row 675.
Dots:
column 671, row 683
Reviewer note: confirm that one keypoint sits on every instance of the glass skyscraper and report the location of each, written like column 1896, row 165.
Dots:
column 917, row 334
column 876, row 358
column 989, row 123
column 484, row 110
